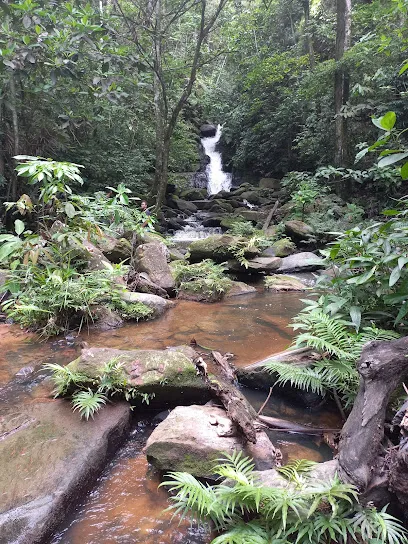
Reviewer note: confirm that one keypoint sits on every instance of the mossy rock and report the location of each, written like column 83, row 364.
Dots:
column 218, row 247
column 230, row 220
column 281, row 282
column 283, row 247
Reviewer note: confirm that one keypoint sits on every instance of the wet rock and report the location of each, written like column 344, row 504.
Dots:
column 281, row 282
column 193, row 194
column 169, row 374
column 298, row 230
column 202, row 204
column 258, row 264
column 283, row 247
column 193, row 438
column 105, row 319
column 116, row 251
column 239, row 288
column 230, row 220
column 185, row 206
column 214, row 221
column 255, row 216
column 269, row 183
column 252, row 196
column 48, row 458
column 176, row 254
column 217, row 247
column 156, row 303
column 175, row 223
column 152, row 259
column 301, row 262
column 207, row 130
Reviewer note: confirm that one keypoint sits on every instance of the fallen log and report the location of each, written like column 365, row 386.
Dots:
column 289, row 355
column 290, row 427
column 228, row 370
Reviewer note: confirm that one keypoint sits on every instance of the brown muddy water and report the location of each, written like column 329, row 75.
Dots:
column 126, row 505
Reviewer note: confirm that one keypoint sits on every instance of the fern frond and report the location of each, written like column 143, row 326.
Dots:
column 88, row 402
column 372, row 524
column 236, row 467
column 302, row 377
column 295, row 467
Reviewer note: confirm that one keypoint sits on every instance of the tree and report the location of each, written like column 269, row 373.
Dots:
column 341, row 79
column 170, row 38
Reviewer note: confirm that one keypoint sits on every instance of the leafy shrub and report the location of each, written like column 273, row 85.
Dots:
column 205, row 277
column 304, row 511
column 242, row 228
column 52, row 299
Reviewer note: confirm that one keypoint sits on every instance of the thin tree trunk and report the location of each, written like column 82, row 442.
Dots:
column 2, row 138
column 341, row 80
column 164, row 173
column 309, row 39
column 16, row 133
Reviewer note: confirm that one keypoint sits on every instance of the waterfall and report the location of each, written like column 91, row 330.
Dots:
column 218, row 180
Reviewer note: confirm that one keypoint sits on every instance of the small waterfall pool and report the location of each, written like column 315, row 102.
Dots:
column 218, row 180
column 194, row 230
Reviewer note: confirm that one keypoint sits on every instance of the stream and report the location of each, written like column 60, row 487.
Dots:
column 126, row 505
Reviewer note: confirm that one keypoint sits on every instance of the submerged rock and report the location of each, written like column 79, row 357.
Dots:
column 280, row 282
column 301, row 262
column 169, row 374
column 192, row 438
column 48, row 459
column 152, row 259
column 239, row 288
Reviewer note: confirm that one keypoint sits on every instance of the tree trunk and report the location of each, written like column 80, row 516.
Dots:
column 2, row 139
column 341, row 80
column 382, row 367
column 309, row 39
column 163, row 174
column 16, row 134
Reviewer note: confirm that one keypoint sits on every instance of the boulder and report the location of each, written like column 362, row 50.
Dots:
column 251, row 196
column 230, row 220
column 176, row 254
column 283, row 247
column 301, row 262
column 152, row 259
column 193, row 194
column 280, row 282
column 192, row 438
column 157, row 304
column 323, row 472
column 256, row 216
column 258, row 264
column 298, row 230
column 212, row 221
column 106, row 319
column 185, row 206
column 202, row 204
column 175, row 223
column 169, row 374
column 217, row 247
column 221, row 208
column 48, row 459
column 115, row 250
column 269, row 183
column 207, row 130
column 239, row 288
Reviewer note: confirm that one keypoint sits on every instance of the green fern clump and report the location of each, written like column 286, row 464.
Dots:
column 205, row 277
column 340, row 347
column 304, row 511
column 132, row 310
column 88, row 395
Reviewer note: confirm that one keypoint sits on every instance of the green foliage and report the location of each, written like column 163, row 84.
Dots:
column 206, row 278
column 340, row 347
column 303, row 511
column 88, row 395
column 134, row 310
column 87, row 403
column 242, row 228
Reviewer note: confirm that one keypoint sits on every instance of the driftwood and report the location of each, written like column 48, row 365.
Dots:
column 228, row 371
column 289, row 355
column 270, row 215
column 290, row 427
column 382, row 367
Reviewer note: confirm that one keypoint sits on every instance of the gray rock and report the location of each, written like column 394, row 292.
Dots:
column 105, row 319
column 281, row 282
column 256, row 216
column 239, row 288
column 258, row 264
column 193, row 438
column 217, row 247
column 115, row 250
column 207, row 130
column 298, row 230
column 193, row 194
column 185, row 206
column 158, row 304
column 48, row 458
column 152, row 259
column 301, row 262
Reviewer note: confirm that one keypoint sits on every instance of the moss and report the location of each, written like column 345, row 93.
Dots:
column 283, row 247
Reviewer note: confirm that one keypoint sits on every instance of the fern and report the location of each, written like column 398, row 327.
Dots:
column 64, row 378
column 312, row 512
column 88, row 402
column 302, row 377
column 292, row 470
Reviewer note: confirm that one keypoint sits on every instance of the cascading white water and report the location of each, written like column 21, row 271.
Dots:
column 218, row 180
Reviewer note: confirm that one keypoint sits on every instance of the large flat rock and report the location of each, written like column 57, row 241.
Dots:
column 48, row 458
column 301, row 262
column 192, row 439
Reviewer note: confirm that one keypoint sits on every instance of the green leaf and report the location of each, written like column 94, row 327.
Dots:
column 19, row 227
column 392, row 159
column 404, row 171
column 386, row 122
column 390, row 212
column 395, row 276
column 69, row 210
column 404, row 68
column 355, row 314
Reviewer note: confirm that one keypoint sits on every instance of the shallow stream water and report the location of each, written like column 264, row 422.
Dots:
column 126, row 505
